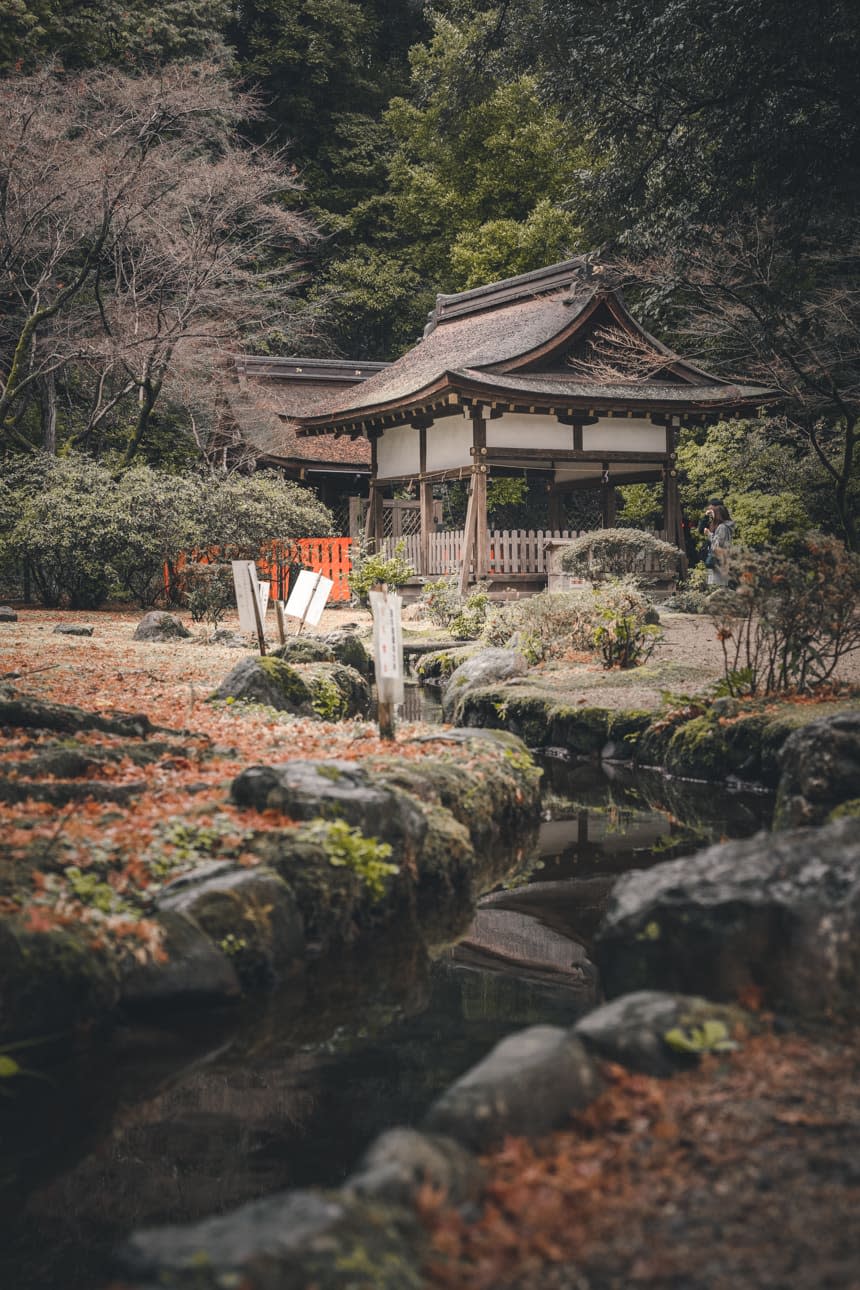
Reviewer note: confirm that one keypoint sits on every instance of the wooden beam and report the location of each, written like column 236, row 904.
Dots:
column 619, row 480
column 569, row 454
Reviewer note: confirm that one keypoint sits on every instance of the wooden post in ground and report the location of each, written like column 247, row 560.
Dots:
column 425, row 496
column 387, row 656
column 468, row 537
column 258, row 617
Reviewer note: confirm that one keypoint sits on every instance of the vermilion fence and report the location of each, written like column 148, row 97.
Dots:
column 328, row 556
column 277, row 561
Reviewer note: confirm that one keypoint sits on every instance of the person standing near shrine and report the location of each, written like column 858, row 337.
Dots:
column 720, row 532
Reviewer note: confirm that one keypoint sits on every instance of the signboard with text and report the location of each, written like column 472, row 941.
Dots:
column 308, row 597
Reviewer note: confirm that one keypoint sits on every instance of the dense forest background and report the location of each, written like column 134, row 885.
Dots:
column 182, row 179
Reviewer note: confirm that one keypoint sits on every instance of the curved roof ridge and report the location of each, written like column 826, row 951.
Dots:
column 552, row 277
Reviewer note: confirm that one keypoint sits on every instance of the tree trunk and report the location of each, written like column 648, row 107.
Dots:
column 48, row 408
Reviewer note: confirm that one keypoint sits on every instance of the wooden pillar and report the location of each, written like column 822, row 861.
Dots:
column 556, row 518
column 425, row 497
column 672, row 507
column 373, row 533
column 607, row 499
column 479, row 483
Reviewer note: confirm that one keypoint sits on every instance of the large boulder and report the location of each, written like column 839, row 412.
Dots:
column 249, row 913
column 780, row 912
column 160, row 626
column 7, row 614
column 72, row 629
column 334, row 790
column 486, row 668
column 528, row 1085
column 292, row 1240
column 267, row 680
column 820, row 766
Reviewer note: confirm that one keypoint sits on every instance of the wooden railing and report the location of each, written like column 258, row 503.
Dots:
column 512, row 551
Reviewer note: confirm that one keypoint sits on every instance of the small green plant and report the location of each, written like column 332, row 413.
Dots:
column 468, row 623
column 553, row 624
column 233, row 945
column 691, row 596
column 374, row 569
column 711, row 1037
column 209, row 592
column 367, row 858
column 92, row 890
column 623, row 641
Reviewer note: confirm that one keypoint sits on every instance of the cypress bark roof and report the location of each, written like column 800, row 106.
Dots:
column 513, row 338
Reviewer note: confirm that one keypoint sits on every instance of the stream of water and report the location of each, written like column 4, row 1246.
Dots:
column 168, row 1124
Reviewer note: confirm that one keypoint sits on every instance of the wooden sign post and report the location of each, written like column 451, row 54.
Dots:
column 252, row 598
column 308, row 598
column 388, row 657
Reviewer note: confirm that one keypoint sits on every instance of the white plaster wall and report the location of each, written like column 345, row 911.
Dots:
column 449, row 441
column 623, row 434
column 398, row 452
column 528, row 430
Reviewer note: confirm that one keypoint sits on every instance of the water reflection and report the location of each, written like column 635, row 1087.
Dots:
column 599, row 821
column 168, row 1125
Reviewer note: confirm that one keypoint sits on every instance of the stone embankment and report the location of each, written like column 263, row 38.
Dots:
column 782, row 914
column 695, row 737
column 348, row 853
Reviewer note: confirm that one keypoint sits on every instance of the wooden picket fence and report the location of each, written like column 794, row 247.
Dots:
column 512, row 551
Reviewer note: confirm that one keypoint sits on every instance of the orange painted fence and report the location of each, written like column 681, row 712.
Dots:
column 328, row 556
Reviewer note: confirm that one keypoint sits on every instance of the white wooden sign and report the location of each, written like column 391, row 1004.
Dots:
column 388, row 645
column 246, row 585
column 308, row 597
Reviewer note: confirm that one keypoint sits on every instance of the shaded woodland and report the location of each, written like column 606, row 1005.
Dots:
column 188, row 179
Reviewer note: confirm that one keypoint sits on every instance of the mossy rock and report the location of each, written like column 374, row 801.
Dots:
column 440, row 664
column 323, row 689
column 337, row 692
column 249, row 914
column 303, row 649
column 51, row 982
column 336, row 905
column 270, row 681
column 350, row 649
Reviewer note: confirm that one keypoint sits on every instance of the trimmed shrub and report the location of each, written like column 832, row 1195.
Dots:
column 615, row 553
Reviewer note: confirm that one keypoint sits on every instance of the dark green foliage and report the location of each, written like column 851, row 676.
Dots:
column 85, row 531
column 101, row 31
column 699, row 108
